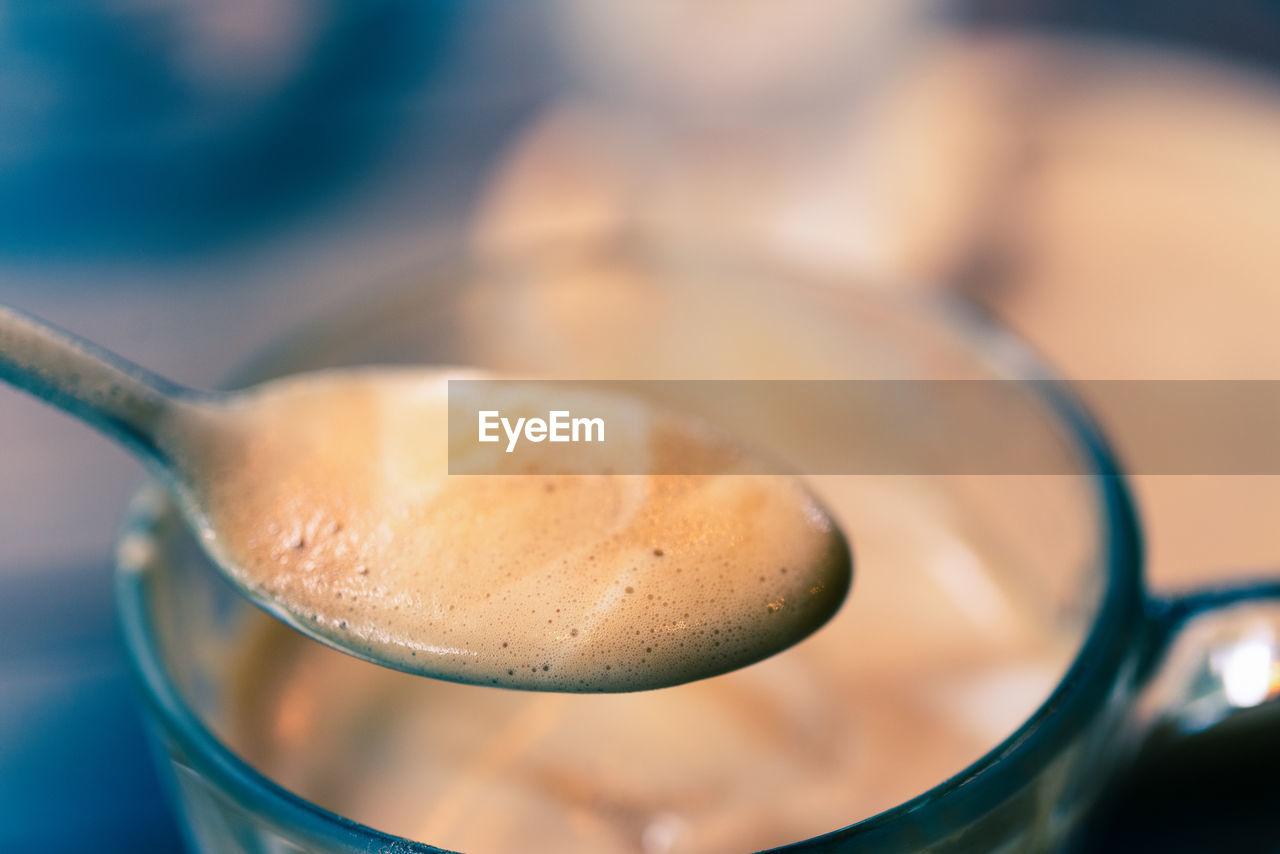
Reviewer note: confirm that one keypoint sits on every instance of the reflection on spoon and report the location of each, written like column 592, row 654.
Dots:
column 325, row 498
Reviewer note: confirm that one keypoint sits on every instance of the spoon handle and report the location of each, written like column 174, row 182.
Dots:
column 112, row 394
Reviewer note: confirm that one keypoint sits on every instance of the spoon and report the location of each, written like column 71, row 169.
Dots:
column 325, row 499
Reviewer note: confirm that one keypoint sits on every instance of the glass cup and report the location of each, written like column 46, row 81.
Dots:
column 1132, row 662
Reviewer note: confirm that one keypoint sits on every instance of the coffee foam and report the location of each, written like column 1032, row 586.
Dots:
column 329, row 494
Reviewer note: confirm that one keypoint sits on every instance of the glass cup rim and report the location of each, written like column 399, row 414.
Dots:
column 987, row 782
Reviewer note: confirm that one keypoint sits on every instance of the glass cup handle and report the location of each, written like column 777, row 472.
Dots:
column 1214, row 653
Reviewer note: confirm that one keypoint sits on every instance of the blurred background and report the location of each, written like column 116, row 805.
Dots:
column 183, row 181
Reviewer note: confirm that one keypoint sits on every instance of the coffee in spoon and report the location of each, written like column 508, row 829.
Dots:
column 326, row 499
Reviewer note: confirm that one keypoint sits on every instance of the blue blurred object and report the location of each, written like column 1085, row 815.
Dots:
column 168, row 126
column 76, row 770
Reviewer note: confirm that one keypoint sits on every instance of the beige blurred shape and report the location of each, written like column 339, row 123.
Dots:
column 709, row 61
column 883, row 187
column 1150, row 245
column 1128, row 197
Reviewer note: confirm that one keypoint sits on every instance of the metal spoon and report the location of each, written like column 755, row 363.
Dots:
column 627, row 621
